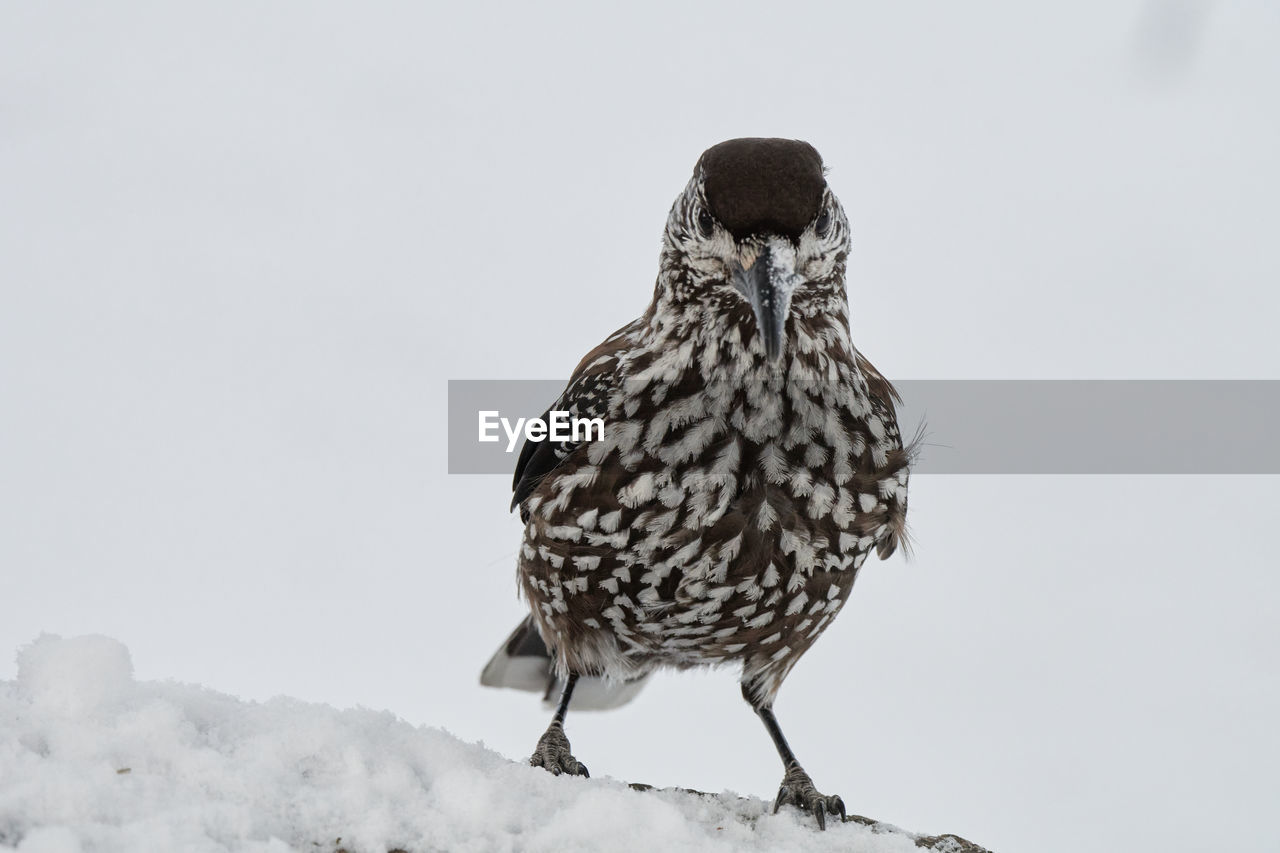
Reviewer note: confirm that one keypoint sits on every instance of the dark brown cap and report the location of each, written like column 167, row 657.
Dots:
column 754, row 186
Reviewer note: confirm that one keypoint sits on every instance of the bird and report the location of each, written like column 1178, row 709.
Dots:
column 750, row 462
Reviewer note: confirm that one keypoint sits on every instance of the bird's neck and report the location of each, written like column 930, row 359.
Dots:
column 681, row 341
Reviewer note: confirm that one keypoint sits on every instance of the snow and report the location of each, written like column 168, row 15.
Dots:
column 93, row 759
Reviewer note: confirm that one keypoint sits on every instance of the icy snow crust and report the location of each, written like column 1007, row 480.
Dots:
column 92, row 760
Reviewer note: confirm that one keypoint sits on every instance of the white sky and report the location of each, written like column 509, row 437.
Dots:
column 243, row 247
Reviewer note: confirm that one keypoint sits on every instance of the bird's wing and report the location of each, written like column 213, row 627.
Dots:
column 884, row 401
column 586, row 396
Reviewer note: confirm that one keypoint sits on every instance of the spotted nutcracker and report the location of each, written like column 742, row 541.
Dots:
column 751, row 460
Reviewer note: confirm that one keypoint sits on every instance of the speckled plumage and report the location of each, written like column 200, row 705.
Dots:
column 734, row 497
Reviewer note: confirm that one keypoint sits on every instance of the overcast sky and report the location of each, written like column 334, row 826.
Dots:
column 243, row 247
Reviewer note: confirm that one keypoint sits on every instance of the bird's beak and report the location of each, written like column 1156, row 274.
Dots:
column 767, row 282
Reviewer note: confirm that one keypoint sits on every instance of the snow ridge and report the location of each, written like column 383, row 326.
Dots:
column 93, row 760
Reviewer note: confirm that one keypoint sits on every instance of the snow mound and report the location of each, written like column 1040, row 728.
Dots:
column 91, row 759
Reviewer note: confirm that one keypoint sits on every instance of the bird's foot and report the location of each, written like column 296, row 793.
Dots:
column 797, row 789
column 553, row 754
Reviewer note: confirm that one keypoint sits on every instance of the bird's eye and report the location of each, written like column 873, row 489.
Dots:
column 705, row 223
column 822, row 224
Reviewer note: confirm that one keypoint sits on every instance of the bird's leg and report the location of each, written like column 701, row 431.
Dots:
column 553, row 753
column 797, row 788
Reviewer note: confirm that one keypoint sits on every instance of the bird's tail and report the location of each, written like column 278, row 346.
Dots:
column 524, row 662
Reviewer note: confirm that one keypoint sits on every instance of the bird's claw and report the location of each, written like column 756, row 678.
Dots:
column 797, row 790
column 552, row 754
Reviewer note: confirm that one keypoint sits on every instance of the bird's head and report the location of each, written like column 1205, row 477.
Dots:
column 756, row 238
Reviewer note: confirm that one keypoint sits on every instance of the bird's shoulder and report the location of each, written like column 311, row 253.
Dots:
column 883, row 396
column 587, row 395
